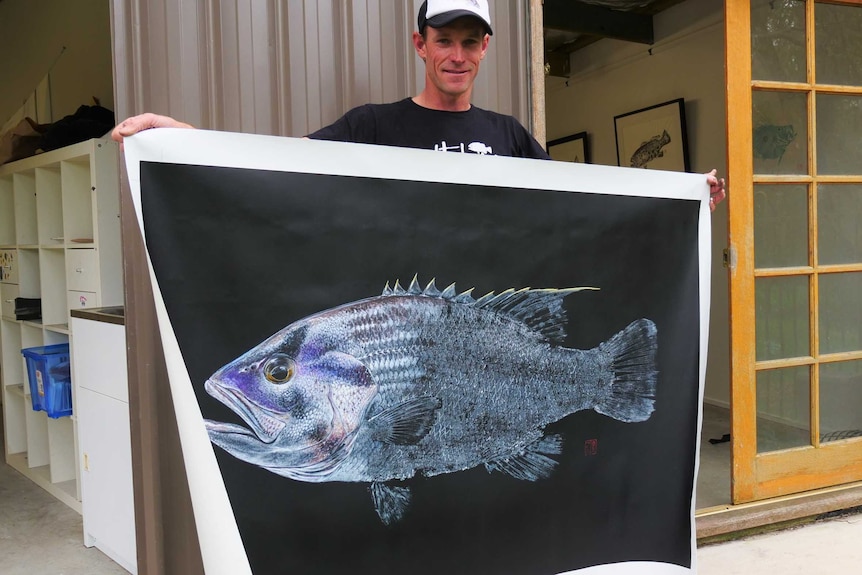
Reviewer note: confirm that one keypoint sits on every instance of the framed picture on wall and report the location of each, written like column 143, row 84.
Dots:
column 570, row 149
column 653, row 137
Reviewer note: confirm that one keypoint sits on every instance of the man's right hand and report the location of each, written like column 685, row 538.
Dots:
column 135, row 124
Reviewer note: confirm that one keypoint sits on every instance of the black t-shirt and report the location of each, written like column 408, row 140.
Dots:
column 409, row 125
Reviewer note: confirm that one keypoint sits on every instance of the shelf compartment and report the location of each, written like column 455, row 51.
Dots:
column 57, row 328
column 12, row 361
column 8, row 293
column 7, row 212
column 28, row 273
column 61, row 447
column 55, row 337
column 8, row 265
column 37, row 438
column 31, row 336
column 53, row 270
column 34, row 323
column 77, row 200
column 15, row 425
column 82, row 269
column 49, row 206
column 68, row 493
column 24, row 190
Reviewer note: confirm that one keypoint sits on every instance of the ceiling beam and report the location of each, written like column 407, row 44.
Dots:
column 572, row 16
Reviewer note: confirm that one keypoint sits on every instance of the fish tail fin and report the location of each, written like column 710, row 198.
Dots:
column 632, row 394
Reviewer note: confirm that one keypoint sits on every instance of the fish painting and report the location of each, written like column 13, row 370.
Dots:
column 771, row 141
column 423, row 382
column 650, row 150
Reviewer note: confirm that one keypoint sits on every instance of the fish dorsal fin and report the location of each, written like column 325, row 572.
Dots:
column 539, row 309
column 532, row 463
column 415, row 288
column 406, row 423
column 450, row 293
column 390, row 501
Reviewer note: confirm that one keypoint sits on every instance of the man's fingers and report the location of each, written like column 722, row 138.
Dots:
column 129, row 128
column 135, row 124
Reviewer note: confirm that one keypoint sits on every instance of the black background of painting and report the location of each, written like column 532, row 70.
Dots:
column 240, row 254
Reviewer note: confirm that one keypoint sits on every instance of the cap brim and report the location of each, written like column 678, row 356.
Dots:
column 444, row 19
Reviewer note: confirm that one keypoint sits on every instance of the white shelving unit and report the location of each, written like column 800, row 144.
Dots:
column 59, row 241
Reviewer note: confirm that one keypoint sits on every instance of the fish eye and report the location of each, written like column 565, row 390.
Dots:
column 279, row 368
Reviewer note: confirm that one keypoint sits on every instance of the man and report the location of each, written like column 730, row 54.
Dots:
column 452, row 39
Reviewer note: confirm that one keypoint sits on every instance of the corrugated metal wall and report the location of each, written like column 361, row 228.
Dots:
column 260, row 66
column 289, row 67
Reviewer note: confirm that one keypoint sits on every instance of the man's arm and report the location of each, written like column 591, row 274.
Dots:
column 135, row 124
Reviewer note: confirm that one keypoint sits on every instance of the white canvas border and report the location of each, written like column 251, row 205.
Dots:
column 222, row 550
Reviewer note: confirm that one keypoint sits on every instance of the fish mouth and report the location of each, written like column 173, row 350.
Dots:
column 264, row 423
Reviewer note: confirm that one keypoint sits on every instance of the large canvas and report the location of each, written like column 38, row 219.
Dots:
column 398, row 361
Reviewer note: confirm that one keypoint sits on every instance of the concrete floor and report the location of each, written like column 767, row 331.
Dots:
column 823, row 548
column 829, row 547
column 39, row 535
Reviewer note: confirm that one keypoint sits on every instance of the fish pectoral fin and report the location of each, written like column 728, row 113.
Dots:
column 533, row 462
column 390, row 502
column 406, row 423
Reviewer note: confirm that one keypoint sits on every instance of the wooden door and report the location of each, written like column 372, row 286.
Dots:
column 794, row 81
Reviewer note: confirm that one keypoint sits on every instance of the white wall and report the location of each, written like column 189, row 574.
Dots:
column 610, row 78
column 32, row 36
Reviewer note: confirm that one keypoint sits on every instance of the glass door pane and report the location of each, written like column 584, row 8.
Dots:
column 780, row 132
column 838, row 40
column 778, row 40
column 783, row 409
column 780, row 225
column 840, row 399
column 839, row 133
column 839, row 207
column 781, row 317
column 841, row 313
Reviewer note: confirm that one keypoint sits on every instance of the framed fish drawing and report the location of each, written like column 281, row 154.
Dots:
column 496, row 367
column 653, row 138
column 572, row 148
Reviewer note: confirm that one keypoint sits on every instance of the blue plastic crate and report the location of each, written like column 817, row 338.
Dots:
column 49, row 372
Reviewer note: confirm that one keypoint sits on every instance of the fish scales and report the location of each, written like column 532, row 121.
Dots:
column 477, row 362
column 423, row 382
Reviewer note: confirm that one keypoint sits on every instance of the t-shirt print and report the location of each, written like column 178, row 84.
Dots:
column 471, row 148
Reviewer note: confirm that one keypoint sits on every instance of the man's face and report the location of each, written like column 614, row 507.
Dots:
column 452, row 55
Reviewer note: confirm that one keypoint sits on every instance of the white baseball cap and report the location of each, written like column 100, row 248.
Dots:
column 439, row 13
